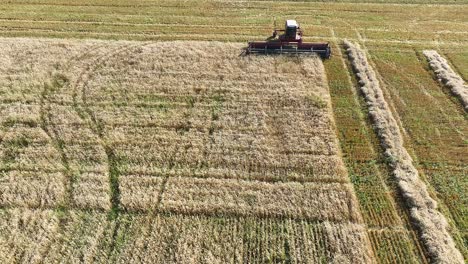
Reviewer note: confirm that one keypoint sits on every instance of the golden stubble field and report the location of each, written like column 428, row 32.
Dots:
column 170, row 152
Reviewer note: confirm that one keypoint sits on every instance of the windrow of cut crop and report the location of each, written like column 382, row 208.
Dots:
column 433, row 226
column 447, row 76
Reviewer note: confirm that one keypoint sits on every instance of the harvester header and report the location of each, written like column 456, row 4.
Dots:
column 289, row 40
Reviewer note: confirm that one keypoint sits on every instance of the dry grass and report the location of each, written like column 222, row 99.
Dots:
column 433, row 225
column 201, row 239
column 91, row 190
column 180, row 129
column 82, row 239
column 50, row 236
column 447, row 76
column 28, row 114
column 26, row 235
column 213, row 119
column 31, row 189
column 312, row 201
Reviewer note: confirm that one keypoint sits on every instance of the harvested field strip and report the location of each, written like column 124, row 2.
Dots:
column 62, row 21
column 175, row 29
column 432, row 224
column 9, row 33
column 194, row 20
column 447, row 76
column 95, row 21
column 201, row 10
column 217, row 9
column 165, row 3
column 123, row 29
column 141, row 36
column 376, row 199
column 41, row 33
column 390, row 248
column 227, row 32
column 414, row 36
column 437, row 134
column 460, row 62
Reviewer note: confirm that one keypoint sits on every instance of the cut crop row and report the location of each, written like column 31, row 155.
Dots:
column 376, row 197
column 431, row 223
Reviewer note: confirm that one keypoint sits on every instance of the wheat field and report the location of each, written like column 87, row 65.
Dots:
column 141, row 140
column 128, row 133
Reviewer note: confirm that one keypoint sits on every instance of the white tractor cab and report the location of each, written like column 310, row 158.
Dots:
column 292, row 30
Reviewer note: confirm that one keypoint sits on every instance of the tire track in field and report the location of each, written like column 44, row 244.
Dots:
column 49, row 128
column 81, row 56
column 45, row 118
column 58, row 143
column 86, row 113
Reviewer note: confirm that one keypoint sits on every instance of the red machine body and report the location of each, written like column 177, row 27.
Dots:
column 289, row 40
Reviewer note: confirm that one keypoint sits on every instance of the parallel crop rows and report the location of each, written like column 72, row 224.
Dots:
column 392, row 238
column 423, row 208
column 217, row 157
column 36, row 236
column 435, row 128
column 194, row 20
